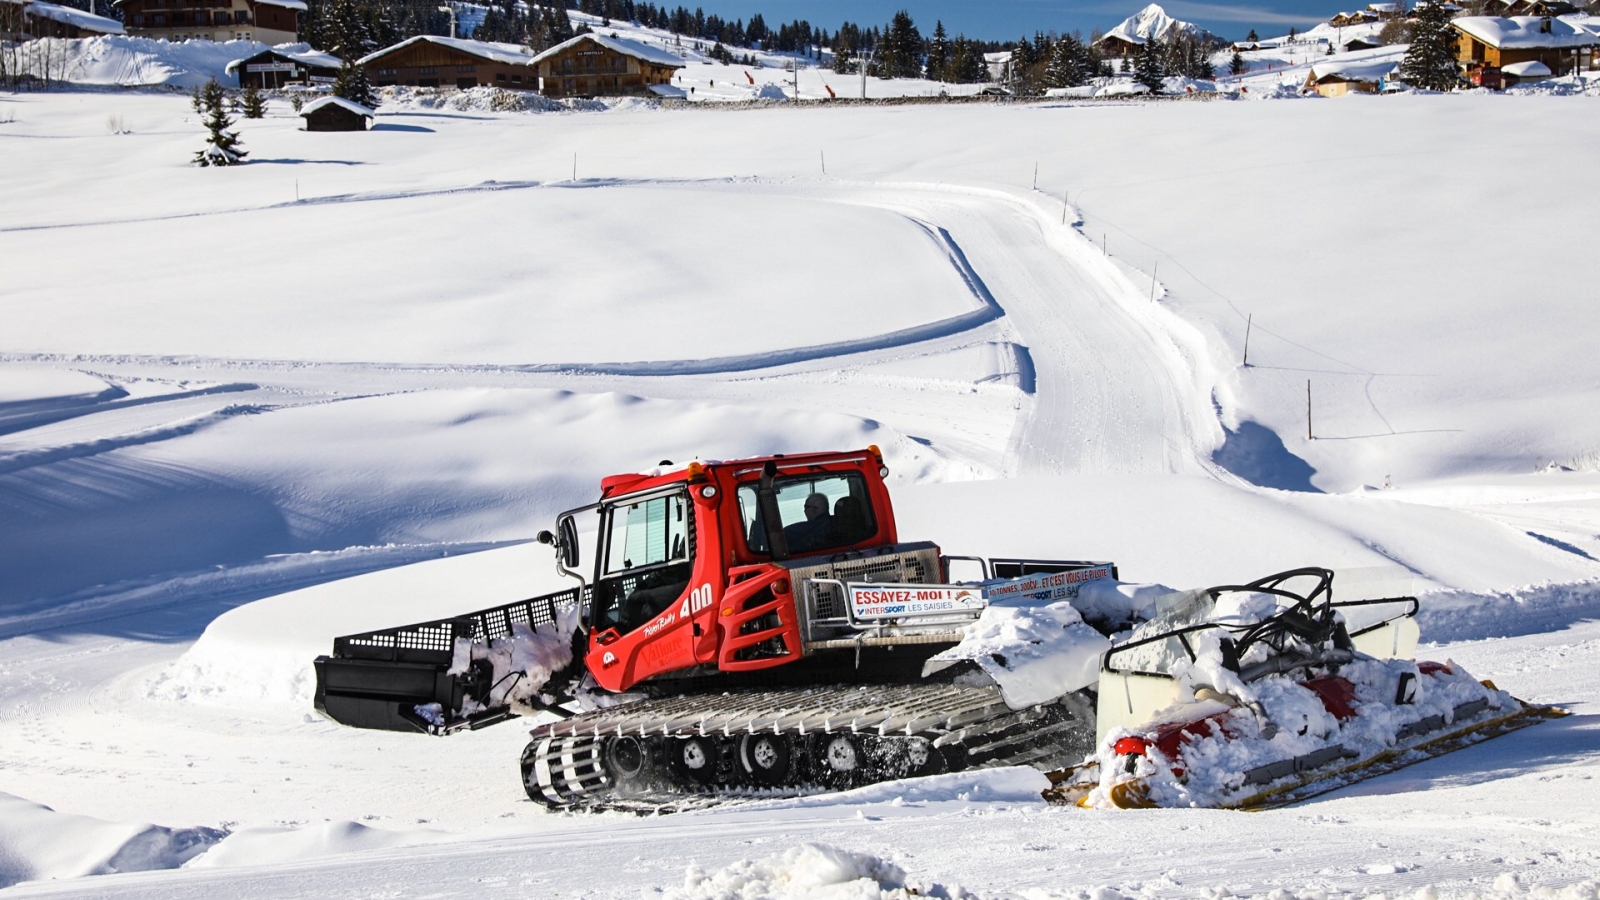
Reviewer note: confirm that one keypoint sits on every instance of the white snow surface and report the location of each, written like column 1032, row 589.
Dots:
column 212, row 462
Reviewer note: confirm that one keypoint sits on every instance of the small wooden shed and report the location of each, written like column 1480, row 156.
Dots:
column 1335, row 79
column 336, row 114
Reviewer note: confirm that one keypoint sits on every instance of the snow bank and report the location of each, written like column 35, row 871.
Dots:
column 1448, row 616
column 278, row 846
column 38, row 844
column 137, row 61
column 810, row 871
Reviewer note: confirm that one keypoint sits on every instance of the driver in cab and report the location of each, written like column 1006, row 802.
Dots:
column 813, row 532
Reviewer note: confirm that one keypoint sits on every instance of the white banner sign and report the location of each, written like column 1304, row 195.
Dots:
column 1045, row 586
column 323, row 79
column 269, row 67
column 892, row 601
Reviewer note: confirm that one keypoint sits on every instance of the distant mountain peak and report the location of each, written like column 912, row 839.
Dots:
column 1154, row 22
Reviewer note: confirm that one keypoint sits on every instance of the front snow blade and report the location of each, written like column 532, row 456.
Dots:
column 404, row 679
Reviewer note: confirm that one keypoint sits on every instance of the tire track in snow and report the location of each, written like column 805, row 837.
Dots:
column 27, row 459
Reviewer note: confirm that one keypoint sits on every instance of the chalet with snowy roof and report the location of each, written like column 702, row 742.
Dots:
column 431, row 61
column 1528, row 8
column 266, row 21
column 593, row 64
column 1386, row 11
column 1335, row 79
column 277, row 67
column 1487, row 45
column 22, row 20
column 336, row 114
column 1368, row 42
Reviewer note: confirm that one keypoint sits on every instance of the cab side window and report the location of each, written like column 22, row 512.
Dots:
column 649, row 558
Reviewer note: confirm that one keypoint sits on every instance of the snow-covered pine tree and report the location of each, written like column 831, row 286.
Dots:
column 1430, row 61
column 197, row 101
column 254, row 106
column 1069, row 64
column 1147, row 68
column 222, row 144
column 1236, row 65
column 352, row 85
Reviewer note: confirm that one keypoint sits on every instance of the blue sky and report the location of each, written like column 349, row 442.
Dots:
column 1009, row 19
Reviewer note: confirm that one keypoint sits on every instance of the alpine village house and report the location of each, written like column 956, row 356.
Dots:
column 266, row 21
column 585, row 66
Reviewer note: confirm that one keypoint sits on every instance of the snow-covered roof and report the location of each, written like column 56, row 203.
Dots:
column 1386, row 7
column 510, row 54
column 77, row 18
column 626, row 47
column 1583, row 20
column 1526, row 32
column 1371, row 71
column 668, row 91
column 312, row 58
column 1530, row 69
column 287, row 4
column 341, row 102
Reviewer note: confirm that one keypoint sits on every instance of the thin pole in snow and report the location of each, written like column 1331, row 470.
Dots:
column 1064, row 205
column 824, row 155
column 1103, row 251
column 574, row 165
column 1036, row 176
column 1153, row 270
column 1308, row 411
column 1249, row 320
column 297, row 190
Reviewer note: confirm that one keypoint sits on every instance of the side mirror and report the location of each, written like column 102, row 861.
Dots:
column 568, row 546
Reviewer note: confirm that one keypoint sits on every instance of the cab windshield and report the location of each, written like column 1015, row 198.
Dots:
column 817, row 512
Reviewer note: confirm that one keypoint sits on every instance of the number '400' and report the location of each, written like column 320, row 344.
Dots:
column 698, row 599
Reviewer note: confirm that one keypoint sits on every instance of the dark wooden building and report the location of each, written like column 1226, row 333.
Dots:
column 431, row 61
column 275, row 68
column 22, row 20
column 336, row 114
column 592, row 65
column 267, row 21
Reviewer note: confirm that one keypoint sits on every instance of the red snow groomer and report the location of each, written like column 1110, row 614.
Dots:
column 760, row 624
column 1261, row 695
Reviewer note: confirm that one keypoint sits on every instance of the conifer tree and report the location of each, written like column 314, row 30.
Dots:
column 1251, row 37
column 939, row 54
column 352, row 85
column 222, row 144
column 1430, row 61
column 1069, row 64
column 254, row 106
column 1147, row 69
column 1236, row 65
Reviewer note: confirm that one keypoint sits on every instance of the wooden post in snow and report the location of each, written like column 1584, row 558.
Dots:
column 1153, row 270
column 1309, row 436
column 1036, row 176
column 1247, row 323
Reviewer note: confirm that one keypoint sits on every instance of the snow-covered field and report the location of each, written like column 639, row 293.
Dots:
column 234, row 402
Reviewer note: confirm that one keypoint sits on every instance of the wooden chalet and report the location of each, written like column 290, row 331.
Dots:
column 1361, row 43
column 1335, row 79
column 591, row 65
column 1488, row 45
column 336, row 114
column 266, row 21
column 1528, row 8
column 22, row 20
column 1121, row 44
column 432, row 61
column 274, row 68
column 1386, row 11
